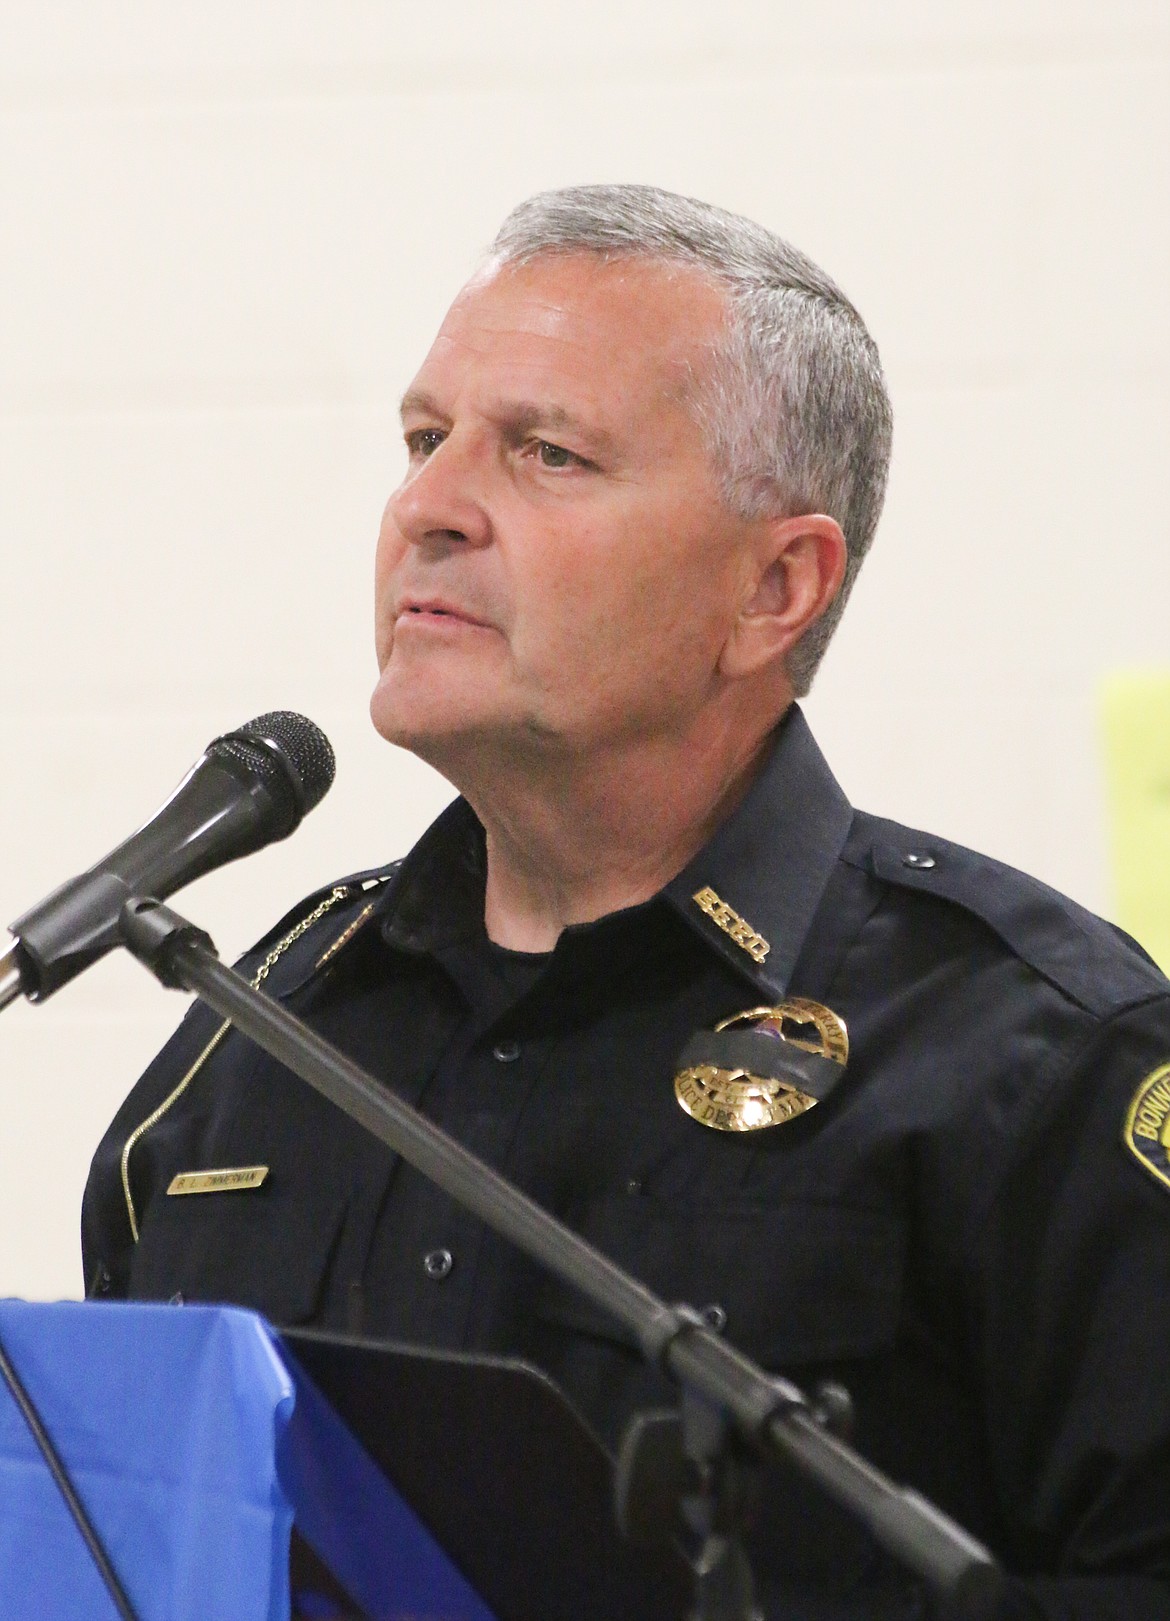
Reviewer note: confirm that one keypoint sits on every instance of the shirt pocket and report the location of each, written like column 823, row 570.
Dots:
column 267, row 1253
column 791, row 1284
column 806, row 1289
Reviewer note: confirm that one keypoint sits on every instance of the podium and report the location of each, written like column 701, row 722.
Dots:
column 203, row 1445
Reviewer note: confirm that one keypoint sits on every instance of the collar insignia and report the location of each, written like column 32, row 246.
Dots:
column 762, row 1067
column 345, row 936
column 736, row 927
column 1147, row 1125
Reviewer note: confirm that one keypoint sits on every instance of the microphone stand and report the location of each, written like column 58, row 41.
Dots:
column 697, row 1463
column 10, row 977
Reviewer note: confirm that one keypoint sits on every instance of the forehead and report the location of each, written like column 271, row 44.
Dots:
column 621, row 329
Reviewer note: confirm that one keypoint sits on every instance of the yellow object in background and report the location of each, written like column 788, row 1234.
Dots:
column 1136, row 716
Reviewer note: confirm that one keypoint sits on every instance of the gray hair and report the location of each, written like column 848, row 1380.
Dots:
column 795, row 405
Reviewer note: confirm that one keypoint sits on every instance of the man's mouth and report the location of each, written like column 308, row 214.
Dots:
column 422, row 609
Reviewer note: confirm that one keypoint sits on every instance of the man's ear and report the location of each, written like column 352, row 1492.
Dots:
column 798, row 566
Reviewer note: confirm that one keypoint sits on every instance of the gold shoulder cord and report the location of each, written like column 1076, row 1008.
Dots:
column 340, row 893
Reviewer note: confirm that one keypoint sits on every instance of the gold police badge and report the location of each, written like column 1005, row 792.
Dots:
column 1147, row 1125
column 762, row 1067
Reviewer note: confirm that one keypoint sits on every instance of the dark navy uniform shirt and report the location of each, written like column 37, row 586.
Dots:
column 959, row 1231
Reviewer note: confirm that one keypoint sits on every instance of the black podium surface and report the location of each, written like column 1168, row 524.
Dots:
column 502, row 1472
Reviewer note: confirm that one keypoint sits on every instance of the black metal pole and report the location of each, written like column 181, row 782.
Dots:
column 768, row 1412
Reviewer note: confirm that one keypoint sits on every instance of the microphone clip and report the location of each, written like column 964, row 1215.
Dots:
column 153, row 933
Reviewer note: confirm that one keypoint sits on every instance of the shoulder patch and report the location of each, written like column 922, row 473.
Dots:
column 1147, row 1125
column 1093, row 963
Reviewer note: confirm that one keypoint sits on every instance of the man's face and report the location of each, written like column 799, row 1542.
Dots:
column 557, row 571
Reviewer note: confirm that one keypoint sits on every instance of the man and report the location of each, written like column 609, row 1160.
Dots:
column 646, row 455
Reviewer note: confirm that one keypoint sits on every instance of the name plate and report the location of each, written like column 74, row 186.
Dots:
column 227, row 1181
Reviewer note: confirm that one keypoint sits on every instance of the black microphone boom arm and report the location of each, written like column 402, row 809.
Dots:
column 769, row 1414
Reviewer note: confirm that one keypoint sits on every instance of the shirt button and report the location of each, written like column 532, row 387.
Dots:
column 437, row 1263
column 918, row 859
column 506, row 1052
column 714, row 1316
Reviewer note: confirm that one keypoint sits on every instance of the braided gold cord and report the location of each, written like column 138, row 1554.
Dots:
column 340, row 892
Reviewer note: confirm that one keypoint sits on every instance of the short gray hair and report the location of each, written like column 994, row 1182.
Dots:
column 795, row 405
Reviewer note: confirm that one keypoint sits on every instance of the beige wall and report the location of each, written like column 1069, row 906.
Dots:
column 227, row 231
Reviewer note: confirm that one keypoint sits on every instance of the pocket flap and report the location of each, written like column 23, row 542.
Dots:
column 788, row 1284
column 247, row 1249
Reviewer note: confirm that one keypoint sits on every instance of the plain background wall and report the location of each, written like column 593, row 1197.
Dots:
column 227, row 233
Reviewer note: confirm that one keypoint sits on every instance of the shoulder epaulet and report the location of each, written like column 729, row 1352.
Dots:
column 1093, row 962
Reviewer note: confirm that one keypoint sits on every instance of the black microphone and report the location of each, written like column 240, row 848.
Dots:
column 250, row 788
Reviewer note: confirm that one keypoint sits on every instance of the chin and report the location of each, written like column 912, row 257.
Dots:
column 428, row 719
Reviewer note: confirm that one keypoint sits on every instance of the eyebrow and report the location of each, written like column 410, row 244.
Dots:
column 519, row 417
column 416, row 399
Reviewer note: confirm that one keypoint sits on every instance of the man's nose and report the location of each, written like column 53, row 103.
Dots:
column 443, row 499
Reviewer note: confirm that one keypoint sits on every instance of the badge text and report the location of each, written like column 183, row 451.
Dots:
column 734, row 926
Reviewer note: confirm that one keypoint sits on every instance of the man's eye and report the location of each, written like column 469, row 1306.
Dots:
column 424, row 441
column 554, row 455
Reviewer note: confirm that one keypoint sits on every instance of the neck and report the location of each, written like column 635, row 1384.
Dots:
column 580, row 839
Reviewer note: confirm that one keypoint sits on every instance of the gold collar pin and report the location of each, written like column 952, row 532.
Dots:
column 734, row 927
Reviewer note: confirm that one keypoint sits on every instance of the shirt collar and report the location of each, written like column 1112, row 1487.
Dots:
column 754, row 888
column 750, row 894
column 437, row 896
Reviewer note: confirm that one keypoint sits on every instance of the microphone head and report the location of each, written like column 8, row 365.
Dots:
column 304, row 747
column 291, row 756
